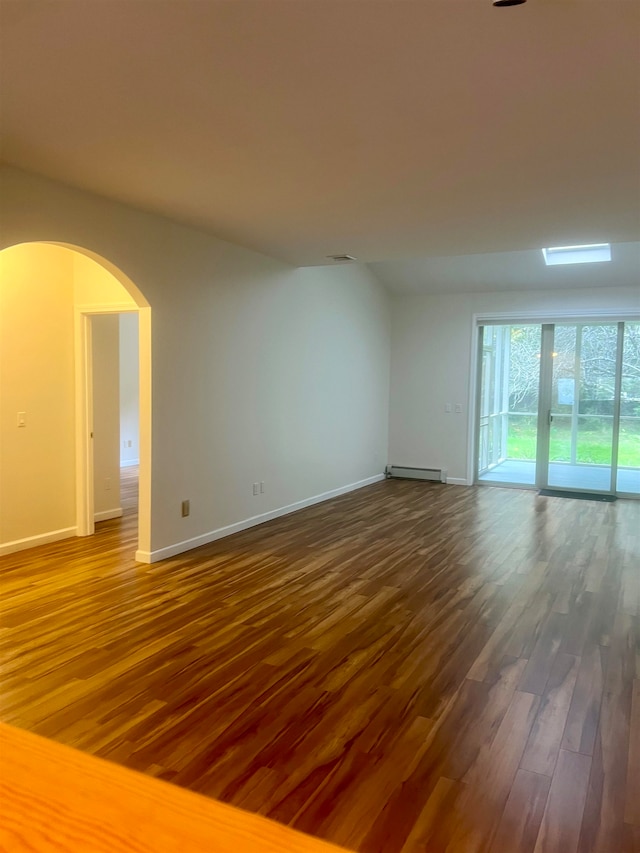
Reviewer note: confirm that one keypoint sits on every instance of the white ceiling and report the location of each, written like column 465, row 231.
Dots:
column 302, row 128
column 508, row 271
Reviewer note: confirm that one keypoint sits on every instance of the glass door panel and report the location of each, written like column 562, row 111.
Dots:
column 583, row 392
column 507, row 423
column 628, row 473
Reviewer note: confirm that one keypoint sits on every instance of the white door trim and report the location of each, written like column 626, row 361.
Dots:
column 84, row 418
column 84, row 424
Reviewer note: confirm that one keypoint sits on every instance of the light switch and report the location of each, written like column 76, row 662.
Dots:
column 458, row 407
column 22, row 419
column 447, row 408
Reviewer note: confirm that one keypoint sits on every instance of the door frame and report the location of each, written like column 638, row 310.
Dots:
column 84, row 418
column 545, row 384
column 545, row 318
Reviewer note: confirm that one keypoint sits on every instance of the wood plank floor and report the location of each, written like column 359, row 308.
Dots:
column 410, row 667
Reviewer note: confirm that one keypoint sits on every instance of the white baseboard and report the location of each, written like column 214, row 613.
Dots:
column 124, row 463
column 34, row 541
column 458, row 481
column 230, row 529
column 106, row 514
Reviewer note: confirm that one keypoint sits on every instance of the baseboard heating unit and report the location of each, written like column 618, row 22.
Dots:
column 400, row 472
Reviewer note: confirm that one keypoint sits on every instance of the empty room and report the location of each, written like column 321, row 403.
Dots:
column 320, row 425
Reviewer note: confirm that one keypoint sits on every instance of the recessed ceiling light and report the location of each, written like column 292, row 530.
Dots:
column 593, row 254
column 341, row 258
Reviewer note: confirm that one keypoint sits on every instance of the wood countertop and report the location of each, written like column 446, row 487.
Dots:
column 53, row 798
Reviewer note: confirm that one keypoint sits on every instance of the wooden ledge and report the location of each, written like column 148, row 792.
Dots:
column 53, row 798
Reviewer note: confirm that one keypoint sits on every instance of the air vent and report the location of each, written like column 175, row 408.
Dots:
column 342, row 259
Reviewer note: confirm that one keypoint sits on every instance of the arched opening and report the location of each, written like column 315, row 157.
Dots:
column 50, row 295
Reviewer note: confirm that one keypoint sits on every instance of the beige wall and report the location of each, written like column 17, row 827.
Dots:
column 37, row 462
column 261, row 372
column 40, row 285
column 94, row 286
column 106, row 415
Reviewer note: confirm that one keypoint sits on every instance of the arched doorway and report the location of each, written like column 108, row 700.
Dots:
column 49, row 294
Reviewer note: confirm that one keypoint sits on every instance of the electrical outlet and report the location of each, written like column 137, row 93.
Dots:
column 186, row 509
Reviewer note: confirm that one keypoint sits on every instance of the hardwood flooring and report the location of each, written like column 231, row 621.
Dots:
column 410, row 667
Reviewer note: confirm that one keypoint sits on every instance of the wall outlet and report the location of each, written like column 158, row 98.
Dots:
column 186, row 509
column 262, row 487
column 256, row 489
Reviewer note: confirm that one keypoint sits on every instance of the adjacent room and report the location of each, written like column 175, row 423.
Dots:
column 320, row 425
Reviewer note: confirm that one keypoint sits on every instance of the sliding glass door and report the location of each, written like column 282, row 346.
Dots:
column 559, row 406
column 508, row 405
column 628, row 447
column 582, row 407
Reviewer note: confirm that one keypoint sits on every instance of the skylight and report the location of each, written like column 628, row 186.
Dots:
column 595, row 253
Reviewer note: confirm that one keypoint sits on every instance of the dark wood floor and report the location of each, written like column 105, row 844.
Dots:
column 410, row 667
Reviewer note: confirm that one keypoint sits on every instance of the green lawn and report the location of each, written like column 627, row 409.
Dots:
column 594, row 444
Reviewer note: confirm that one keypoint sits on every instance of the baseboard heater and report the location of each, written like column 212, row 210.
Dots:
column 400, row 472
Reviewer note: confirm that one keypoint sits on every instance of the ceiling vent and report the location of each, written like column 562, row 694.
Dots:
column 342, row 259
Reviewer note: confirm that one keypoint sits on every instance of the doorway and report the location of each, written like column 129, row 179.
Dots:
column 49, row 293
column 559, row 406
column 115, row 413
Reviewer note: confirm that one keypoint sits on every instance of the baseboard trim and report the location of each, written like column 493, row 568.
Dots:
column 34, row 541
column 230, row 529
column 457, row 481
column 106, row 514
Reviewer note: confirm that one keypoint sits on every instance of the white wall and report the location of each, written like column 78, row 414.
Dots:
column 129, row 390
column 431, row 359
column 106, row 416
column 261, row 372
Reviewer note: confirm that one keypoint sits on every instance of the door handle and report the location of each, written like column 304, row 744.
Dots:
column 550, row 418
